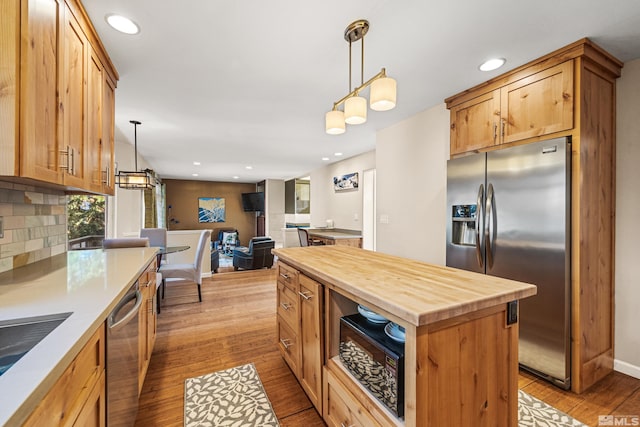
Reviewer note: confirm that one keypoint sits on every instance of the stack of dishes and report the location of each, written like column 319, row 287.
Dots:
column 393, row 330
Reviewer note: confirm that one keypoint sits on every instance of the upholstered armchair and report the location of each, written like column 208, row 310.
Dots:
column 257, row 255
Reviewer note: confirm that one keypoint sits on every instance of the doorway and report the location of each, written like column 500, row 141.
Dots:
column 369, row 209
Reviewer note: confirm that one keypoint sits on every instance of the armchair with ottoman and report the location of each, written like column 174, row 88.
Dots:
column 257, row 255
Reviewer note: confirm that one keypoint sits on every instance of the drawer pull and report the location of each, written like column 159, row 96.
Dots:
column 306, row 295
column 284, row 276
column 286, row 343
column 350, row 425
column 285, row 305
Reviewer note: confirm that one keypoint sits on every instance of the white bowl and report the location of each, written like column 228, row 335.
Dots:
column 371, row 316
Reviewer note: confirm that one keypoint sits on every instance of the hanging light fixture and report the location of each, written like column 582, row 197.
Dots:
column 382, row 94
column 136, row 180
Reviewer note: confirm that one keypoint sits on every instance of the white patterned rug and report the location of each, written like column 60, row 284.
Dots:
column 534, row 412
column 233, row 397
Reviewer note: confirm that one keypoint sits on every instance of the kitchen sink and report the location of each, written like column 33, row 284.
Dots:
column 18, row 336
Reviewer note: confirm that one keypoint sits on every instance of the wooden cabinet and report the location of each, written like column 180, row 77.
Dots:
column 536, row 105
column 107, row 159
column 569, row 92
column 51, row 97
column 78, row 398
column 300, row 329
column 342, row 408
column 147, row 321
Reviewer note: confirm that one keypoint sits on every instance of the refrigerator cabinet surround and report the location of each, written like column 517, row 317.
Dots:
column 509, row 216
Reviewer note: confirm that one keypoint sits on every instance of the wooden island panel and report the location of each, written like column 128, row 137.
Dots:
column 461, row 356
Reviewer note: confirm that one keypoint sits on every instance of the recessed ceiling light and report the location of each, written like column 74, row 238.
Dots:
column 194, row 174
column 492, row 64
column 248, row 167
column 122, row 24
column 196, row 163
column 325, row 159
column 337, row 154
column 236, row 177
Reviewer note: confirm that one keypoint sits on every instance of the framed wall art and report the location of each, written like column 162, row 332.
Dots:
column 211, row 209
column 346, row 182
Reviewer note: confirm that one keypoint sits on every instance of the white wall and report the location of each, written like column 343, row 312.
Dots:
column 125, row 209
column 343, row 207
column 274, row 210
column 627, row 294
column 411, row 170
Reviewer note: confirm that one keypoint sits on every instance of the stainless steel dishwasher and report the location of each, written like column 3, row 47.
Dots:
column 122, row 360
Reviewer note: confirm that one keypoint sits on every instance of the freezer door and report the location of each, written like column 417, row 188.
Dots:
column 527, row 239
column 465, row 210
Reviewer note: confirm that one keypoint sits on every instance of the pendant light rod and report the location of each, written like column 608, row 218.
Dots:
column 135, row 141
column 381, row 74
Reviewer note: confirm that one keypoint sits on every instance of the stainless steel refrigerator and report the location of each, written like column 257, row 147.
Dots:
column 508, row 215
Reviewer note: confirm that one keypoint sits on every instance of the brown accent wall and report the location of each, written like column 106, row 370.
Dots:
column 182, row 196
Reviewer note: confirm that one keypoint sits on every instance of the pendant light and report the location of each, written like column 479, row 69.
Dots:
column 136, row 180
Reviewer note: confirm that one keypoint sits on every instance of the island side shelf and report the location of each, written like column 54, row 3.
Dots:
column 461, row 360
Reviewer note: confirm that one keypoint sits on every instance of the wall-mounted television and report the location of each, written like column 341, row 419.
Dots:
column 253, row 202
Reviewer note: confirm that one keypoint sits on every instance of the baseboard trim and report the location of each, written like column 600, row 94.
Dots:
column 626, row 368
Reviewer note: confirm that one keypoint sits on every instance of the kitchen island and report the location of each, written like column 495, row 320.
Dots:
column 88, row 284
column 461, row 349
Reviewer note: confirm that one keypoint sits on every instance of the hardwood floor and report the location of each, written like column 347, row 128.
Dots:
column 235, row 324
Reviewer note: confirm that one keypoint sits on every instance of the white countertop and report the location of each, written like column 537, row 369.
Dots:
column 86, row 283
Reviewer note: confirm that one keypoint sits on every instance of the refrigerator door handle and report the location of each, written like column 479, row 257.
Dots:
column 479, row 216
column 491, row 225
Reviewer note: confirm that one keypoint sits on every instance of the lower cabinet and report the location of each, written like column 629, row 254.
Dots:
column 300, row 329
column 146, row 321
column 341, row 408
column 78, row 398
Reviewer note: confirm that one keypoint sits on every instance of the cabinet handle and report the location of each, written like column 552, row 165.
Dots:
column 286, row 343
column 284, row 276
column 306, row 295
column 495, row 131
column 502, row 130
column 285, row 306
column 350, row 425
column 72, row 153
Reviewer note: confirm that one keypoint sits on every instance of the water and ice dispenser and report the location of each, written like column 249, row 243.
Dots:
column 463, row 225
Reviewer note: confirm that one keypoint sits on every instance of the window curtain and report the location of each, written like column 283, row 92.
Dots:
column 150, row 216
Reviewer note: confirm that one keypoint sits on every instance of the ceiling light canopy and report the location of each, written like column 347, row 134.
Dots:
column 492, row 64
column 382, row 92
column 122, row 24
column 136, row 180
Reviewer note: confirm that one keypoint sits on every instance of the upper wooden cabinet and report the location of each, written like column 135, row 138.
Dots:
column 536, row 105
column 52, row 71
column 567, row 93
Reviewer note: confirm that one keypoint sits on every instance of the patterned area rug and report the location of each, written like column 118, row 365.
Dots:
column 233, row 397
column 533, row 412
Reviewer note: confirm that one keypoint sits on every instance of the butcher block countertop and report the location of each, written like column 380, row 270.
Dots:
column 416, row 292
column 334, row 234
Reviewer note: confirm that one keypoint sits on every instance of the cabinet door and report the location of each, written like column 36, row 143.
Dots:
column 94, row 123
column 108, row 123
column 539, row 104
column 39, row 59
column 475, row 123
column 74, row 73
column 311, row 339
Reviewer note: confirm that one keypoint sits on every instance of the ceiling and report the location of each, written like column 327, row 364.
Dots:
column 232, row 84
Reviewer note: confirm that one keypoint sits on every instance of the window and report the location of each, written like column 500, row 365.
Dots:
column 85, row 221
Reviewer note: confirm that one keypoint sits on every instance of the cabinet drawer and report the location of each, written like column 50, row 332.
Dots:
column 288, row 306
column 288, row 345
column 66, row 400
column 288, row 276
column 341, row 408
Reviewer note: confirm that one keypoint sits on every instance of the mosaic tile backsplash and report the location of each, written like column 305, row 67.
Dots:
column 34, row 222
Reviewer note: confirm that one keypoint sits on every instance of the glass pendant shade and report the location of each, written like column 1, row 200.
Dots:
column 383, row 94
column 355, row 110
column 334, row 122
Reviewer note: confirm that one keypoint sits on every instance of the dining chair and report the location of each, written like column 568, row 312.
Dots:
column 125, row 242
column 192, row 272
column 157, row 237
column 303, row 235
